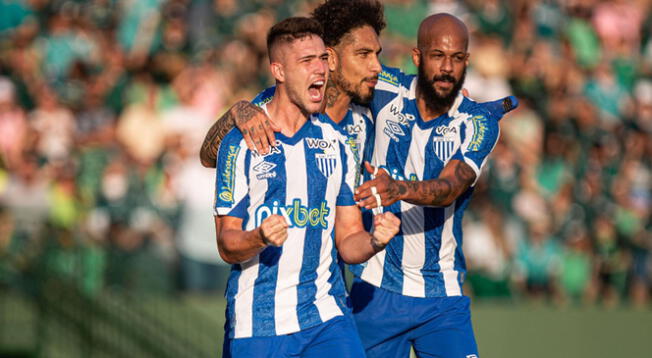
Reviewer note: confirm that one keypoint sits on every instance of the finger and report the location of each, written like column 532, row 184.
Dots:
column 367, row 203
column 364, row 189
column 248, row 140
column 465, row 92
column 261, row 138
column 370, row 168
column 269, row 132
column 362, row 193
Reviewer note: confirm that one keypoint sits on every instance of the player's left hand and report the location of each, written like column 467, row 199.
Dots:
column 380, row 191
column 386, row 226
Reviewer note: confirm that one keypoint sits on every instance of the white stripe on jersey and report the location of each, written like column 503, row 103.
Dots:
column 325, row 303
column 447, row 254
column 414, row 250
column 373, row 271
column 289, row 264
column 244, row 299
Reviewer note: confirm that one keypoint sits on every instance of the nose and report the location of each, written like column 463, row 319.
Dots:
column 447, row 65
column 321, row 67
column 375, row 65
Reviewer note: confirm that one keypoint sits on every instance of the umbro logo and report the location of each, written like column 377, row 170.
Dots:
column 264, row 170
column 393, row 130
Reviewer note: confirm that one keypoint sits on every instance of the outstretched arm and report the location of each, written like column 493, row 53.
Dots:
column 455, row 179
column 256, row 128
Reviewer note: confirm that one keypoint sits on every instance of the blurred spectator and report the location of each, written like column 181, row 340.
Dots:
column 13, row 126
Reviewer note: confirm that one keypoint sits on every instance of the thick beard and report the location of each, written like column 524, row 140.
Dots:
column 349, row 89
column 434, row 101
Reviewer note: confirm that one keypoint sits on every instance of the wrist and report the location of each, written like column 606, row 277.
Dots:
column 262, row 238
column 376, row 244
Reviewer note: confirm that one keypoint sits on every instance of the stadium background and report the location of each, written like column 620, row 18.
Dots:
column 106, row 235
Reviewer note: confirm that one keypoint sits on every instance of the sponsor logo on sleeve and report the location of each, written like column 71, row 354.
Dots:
column 228, row 174
column 479, row 131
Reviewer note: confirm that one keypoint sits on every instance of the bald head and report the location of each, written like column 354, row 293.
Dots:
column 442, row 27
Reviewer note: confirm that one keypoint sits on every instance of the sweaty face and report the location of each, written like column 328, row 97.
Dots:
column 358, row 64
column 306, row 71
column 442, row 69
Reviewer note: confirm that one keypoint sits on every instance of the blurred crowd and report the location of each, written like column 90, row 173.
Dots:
column 104, row 105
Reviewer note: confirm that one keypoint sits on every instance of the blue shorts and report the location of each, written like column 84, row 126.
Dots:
column 335, row 338
column 389, row 323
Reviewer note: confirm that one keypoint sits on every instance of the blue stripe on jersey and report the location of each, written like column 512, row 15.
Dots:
column 231, row 291
column 265, row 285
column 433, row 281
column 393, row 276
column 306, row 310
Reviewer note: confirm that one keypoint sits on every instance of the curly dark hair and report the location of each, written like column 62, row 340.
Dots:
column 339, row 17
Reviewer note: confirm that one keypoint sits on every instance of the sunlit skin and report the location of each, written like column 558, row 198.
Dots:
column 354, row 66
column 301, row 71
column 442, row 54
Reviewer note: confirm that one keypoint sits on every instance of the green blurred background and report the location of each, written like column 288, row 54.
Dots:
column 107, row 245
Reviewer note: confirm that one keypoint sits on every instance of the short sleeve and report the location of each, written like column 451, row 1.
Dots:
column 264, row 97
column 480, row 137
column 231, row 184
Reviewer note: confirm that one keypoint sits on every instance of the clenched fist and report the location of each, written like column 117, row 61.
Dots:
column 386, row 226
column 274, row 230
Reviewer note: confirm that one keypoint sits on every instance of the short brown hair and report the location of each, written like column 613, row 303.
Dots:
column 291, row 29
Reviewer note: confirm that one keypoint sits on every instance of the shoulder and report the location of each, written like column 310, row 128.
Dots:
column 392, row 79
column 364, row 111
column 265, row 96
column 233, row 137
column 476, row 113
column 329, row 128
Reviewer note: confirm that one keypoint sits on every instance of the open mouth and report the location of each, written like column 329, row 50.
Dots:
column 315, row 90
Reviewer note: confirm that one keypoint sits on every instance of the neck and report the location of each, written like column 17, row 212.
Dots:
column 285, row 113
column 337, row 102
column 427, row 113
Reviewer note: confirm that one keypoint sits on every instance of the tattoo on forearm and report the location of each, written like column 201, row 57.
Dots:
column 239, row 114
column 332, row 93
column 244, row 111
column 220, row 128
column 464, row 174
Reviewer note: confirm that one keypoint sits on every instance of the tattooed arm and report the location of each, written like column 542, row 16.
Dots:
column 251, row 120
column 455, row 179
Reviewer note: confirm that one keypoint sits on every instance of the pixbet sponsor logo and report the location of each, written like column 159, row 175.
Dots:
column 296, row 214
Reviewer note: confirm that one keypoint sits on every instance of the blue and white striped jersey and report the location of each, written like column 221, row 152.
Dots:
column 299, row 285
column 425, row 259
column 357, row 124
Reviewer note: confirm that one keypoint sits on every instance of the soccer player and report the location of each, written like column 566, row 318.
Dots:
column 432, row 143
column 281, row 218
column 351, row 36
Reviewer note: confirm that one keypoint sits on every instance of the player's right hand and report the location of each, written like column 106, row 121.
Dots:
column 256, row 127
column 274, row 230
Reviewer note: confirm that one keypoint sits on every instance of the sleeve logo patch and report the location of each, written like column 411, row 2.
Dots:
column 228, row 174
column 479, row 130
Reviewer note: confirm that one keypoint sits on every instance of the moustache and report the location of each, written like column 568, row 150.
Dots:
column 443, row 78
